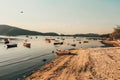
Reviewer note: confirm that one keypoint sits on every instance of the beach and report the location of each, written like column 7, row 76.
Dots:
column 88, row 64
column 60, row 40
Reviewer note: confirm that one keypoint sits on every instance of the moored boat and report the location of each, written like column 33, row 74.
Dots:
column 27, row 45
column 85, row 42
column 6, row 41
column 11, row 45
column 63, row 52
column 73, row 45
column 58, row 43
column 48, row 40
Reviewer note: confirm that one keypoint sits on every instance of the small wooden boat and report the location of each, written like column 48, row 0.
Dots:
column 36, row 37
column 58, row 43
column 44, row 60
column 73, row 45
column 62, row 38
column 52, row 39
column 85, row 42
column 27, row 45
column 63, row 52
column 11, row 45
column 79, row 42
column 48, row 40
column 6, row 41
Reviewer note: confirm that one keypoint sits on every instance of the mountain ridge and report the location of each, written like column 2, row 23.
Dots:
column 14, row 31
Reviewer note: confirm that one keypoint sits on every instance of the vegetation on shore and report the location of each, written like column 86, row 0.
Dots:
column 116, row 33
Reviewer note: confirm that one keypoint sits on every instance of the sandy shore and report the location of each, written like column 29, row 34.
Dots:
column 88, row 64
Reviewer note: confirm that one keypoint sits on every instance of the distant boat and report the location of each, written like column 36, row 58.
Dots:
column 63, row 52
column 11, row 45
column 48, row 40
column 79, row 42
column 52, row 39
column 30, row 37
column 36, row 37
column 58, row 43
column 62, row 38
column 27, row 45
column 44, row 60
column 85, row 42
column 73, row 45
column 21, row 12
column 6, row 41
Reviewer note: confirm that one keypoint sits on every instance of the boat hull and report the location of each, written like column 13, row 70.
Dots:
column 11, row 45
column 27, row 45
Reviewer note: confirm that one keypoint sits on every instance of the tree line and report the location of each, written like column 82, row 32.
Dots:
column 116, row 33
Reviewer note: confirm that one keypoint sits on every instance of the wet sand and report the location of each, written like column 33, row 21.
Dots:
column 88, row 64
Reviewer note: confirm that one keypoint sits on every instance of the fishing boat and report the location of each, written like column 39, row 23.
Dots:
column 44, row 60
column 6, row 41
column 63, row 52
column 11, row 45
column 85, row 42
column 79, row 42
column 73, row 45
column 58, row 43
column 48, row 40
column 27, row 45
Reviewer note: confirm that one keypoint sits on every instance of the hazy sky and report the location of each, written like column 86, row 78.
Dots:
column 62, row 16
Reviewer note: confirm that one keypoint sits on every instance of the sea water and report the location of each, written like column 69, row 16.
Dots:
column 19, row 62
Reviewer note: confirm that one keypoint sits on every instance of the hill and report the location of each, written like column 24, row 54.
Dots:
column 88, row 35
column 14, row 31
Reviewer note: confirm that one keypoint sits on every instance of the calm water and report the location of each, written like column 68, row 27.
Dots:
column 16, row 63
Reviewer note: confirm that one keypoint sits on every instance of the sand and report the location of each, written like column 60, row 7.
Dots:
column 88, row 64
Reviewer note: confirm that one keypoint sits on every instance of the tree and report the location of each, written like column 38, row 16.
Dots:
column 116, row 33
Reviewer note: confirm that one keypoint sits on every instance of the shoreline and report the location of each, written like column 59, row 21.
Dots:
column 110, row 43
column 107, row 44
column 89, row 63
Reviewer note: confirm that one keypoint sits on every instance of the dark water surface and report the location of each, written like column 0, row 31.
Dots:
column 17, row 63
